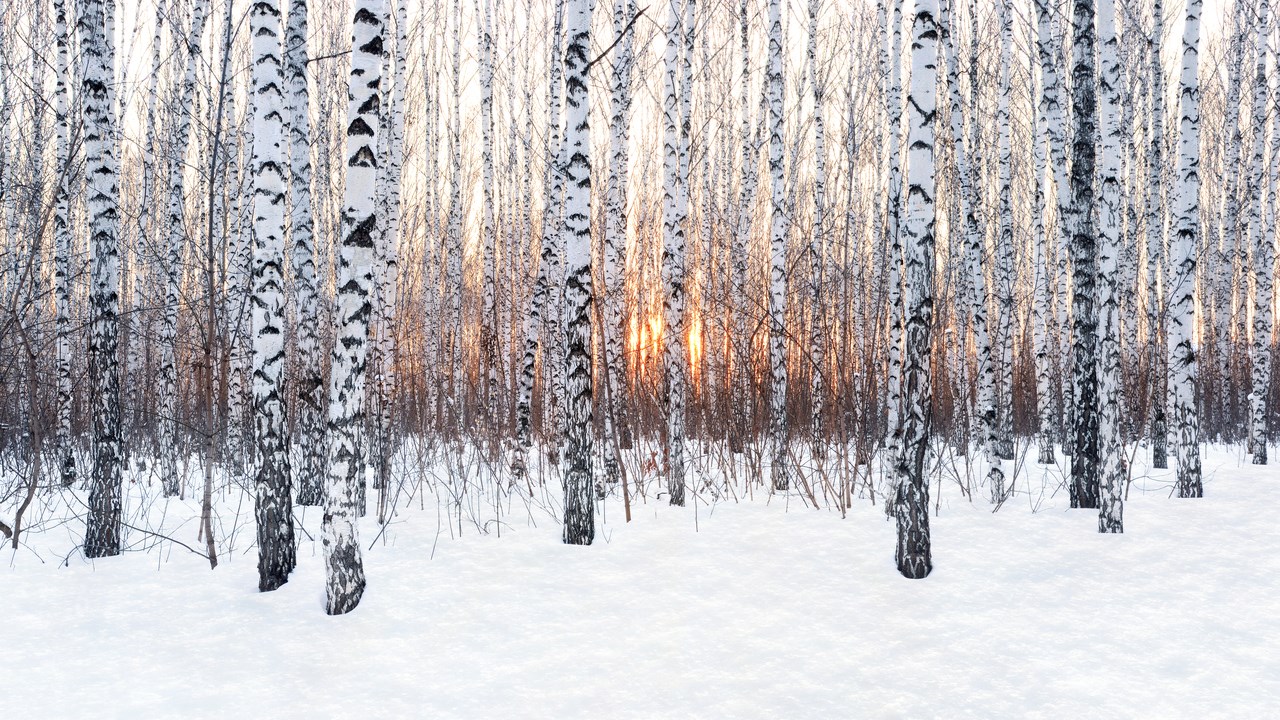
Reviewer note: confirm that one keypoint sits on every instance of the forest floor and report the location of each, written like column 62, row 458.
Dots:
column 763, row 608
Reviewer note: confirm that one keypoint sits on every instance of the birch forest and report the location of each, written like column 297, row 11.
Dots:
column 487, row 263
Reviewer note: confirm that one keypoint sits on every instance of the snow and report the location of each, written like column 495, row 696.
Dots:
column 761, row 608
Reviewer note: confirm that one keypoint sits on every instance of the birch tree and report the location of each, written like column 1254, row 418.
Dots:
column 673, row 261
column 273, row 504
column 579, row 515
column 309, row 413
column 1262, row 249
column 914, row 557
column 1084, row 260
column 1110, row 468
column 551, row 243
column 340, row 539
column 97, row 47
column 173, row 272
column 615, row 230
column 1183, row 371
column 817, row 333
column 1042, row 317
column 62, row 245
column 489, row 309
column 1003, row 249
column 894, row 241
column 778, row 430
column 1155, row 243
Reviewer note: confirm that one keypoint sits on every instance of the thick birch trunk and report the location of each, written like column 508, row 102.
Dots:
column 340, row 539
column 914, row 556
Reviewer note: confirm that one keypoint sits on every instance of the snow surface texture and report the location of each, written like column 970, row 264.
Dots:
column 753, row 609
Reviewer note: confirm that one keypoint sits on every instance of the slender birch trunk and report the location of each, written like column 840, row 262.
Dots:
column 1159, row 376
column 616, row 435
column 743, row 334
column 1183, row 371
column 1111, row 467
column 550, row 251
column 454, row 287
column 488, row 238
column 168, row 420
column 979, row 293
column 1042, row 316
column 1003, row 250
column 817, row 330
column 778, row 427
column 579, row 512
column 675, row 356
column 894, row 241
column 309, row 410
column 1262, row 251
column 62, row 242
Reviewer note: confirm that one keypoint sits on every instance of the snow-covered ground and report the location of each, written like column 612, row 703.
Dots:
column 761, row 608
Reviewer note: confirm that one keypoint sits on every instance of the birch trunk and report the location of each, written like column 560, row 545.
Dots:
column 616, row 433
column 1183, row 371
column 309, row 410
column 1111, row 470
column 817, row 332
column 778, row 428
column 579, row 515
column 273, row 506
column 340, row 539
column 894, row 241
column 488, row 238
column 550, row 251
column 1155, row 246
column 1042, row 316
column 1084, row 260
column 1262, row 251
column 168, row 420
column 675, row 360
column 97, row 48
column 62, row 242
column 914, row 557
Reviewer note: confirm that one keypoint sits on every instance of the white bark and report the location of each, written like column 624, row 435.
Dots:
column 913, row 555
column 97, row 48
column 1262, row 251
column 168, row 420
column 615, row 229
column 309, row 411
column 340, row 538
column 1156, row 220
column 893, row 240
column 1111, row 468
column 579, row 514
column 488, row 238
column 674, row 171
column 273, row 505
column 549, row 260
column 1003, row 250
column 1183, row 372
column 778, row 430
column 62, row 244
column 817, row 332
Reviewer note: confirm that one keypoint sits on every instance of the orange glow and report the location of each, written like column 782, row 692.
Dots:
column 644, row 342
column 695, row 346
